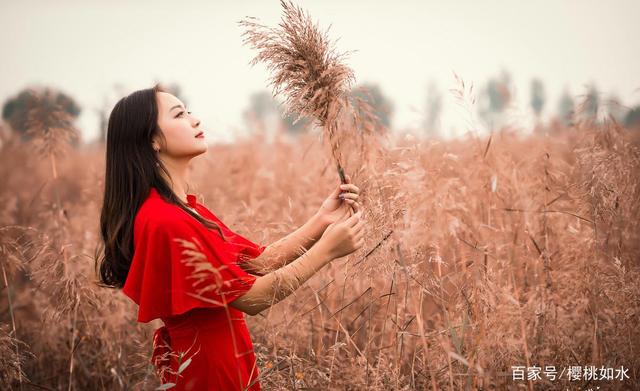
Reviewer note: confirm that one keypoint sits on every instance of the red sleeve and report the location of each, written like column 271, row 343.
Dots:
column 247, row 249
column 169, row 277
column 241, row 248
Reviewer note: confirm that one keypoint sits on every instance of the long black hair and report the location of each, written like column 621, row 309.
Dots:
column 132, row 168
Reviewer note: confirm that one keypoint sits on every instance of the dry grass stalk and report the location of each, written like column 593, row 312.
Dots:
column 306, row 70
column 12, row 362
column 50, row 126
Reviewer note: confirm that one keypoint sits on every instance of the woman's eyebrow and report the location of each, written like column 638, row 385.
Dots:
column 176, row 106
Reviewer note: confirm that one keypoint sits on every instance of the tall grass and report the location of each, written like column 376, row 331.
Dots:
column 522, row 253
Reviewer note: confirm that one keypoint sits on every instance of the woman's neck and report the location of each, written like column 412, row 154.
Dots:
column 178, row 171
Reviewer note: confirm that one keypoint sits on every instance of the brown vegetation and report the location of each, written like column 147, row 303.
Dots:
column 521, row 251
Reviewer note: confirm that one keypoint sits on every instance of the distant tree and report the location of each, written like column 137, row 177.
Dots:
column 615, row 108
column 588, row 104
column 262, row 104
column 295, row 125
column 632, row 119
column 566, row 108
column 103, row 120
column 265, row 110
column 381, row 106
column 15, row 111
column 495, row 98
column 537, row 96
column 5, row 134
column 433, row 110
column 174, row 89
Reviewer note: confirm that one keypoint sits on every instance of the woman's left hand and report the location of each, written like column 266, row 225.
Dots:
column 343, row 197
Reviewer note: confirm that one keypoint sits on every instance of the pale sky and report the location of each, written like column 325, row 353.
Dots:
column 86, row 47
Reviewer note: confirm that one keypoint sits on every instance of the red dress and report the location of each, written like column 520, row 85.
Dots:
column 189, row 287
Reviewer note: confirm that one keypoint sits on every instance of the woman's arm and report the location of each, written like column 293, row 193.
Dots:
column 339, row 240
column 274, row 286
column 287, row 249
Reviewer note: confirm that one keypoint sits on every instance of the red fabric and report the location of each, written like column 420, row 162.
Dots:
column 193, row 305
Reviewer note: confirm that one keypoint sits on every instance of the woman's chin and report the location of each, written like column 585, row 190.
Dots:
column 201, row 147
column 197, row 151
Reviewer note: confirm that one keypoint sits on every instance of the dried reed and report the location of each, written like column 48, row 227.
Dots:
column 306, row 69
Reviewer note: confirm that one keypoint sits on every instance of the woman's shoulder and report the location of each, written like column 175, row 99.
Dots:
column 157, row 212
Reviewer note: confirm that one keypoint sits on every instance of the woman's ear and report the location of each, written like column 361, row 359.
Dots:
column 155, row 145
column 158, row 142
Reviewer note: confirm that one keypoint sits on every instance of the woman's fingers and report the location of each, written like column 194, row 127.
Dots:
column 350, row 187
column 336, row 192
column 359, row 226
column 351, row 221
column 351, row 196
column 354, row 205
column 350, row 201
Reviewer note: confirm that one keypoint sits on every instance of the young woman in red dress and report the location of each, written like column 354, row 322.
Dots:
column 178, row 262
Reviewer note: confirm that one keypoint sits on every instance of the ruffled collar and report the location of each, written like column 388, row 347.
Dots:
column 191, row 198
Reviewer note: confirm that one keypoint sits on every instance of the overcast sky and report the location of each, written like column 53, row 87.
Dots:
column 85, row 47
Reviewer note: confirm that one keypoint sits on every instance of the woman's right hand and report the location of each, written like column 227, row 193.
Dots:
column 345, row 235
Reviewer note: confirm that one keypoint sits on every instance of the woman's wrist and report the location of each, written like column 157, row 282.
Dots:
column 321, row 221
column 323, row 251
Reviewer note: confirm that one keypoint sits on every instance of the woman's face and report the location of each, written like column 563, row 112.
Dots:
column 182, row 134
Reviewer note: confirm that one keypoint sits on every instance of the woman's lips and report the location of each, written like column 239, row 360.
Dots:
column 200, row 135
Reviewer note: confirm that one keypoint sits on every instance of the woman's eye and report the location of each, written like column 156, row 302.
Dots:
column 182, row 112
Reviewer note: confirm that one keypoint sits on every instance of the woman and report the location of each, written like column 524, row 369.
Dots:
column 175, row 259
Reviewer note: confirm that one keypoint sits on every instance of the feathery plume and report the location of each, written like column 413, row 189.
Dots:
column 305, row 68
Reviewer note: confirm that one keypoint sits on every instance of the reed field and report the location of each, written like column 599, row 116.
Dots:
column 514, row 248
column 481, row 254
